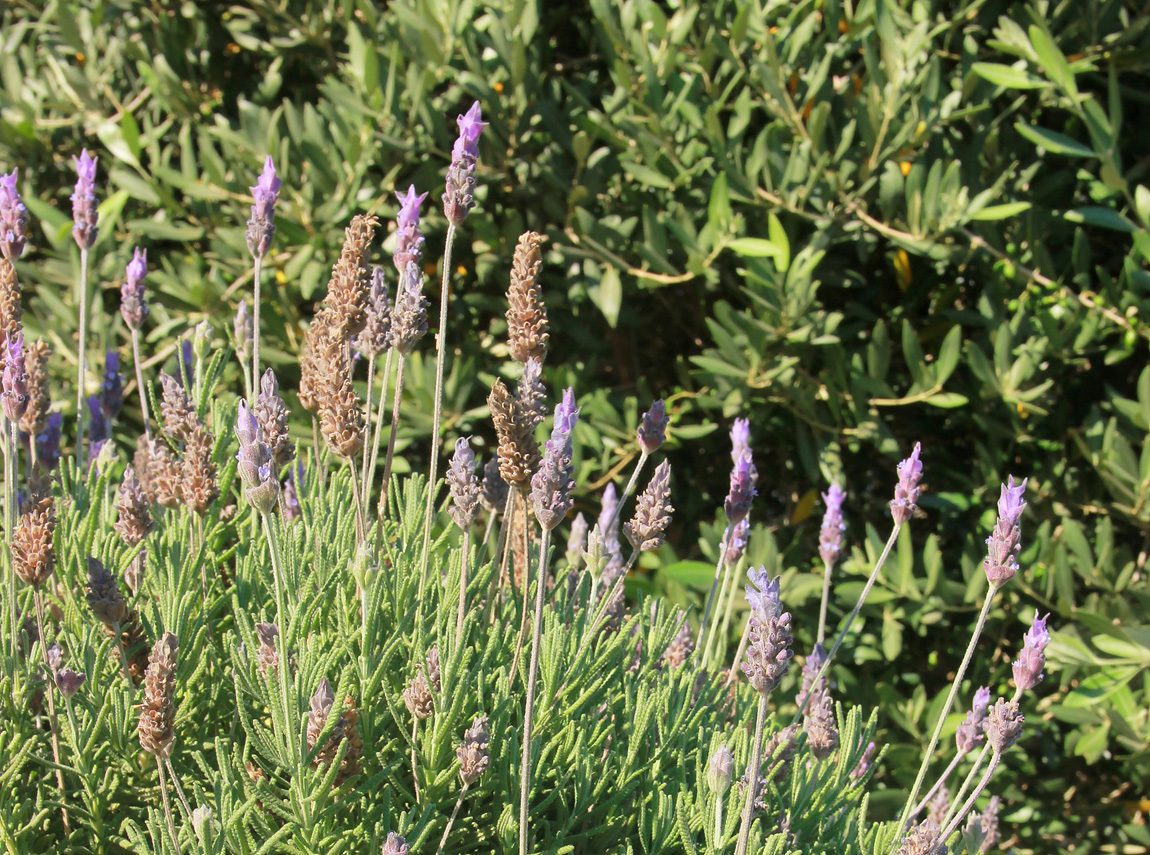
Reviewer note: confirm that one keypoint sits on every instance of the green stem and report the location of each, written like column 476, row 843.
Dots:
column 451, row 820
column 140, row 384
column 179, row 790
column 281, row 620
column 167, row 806
column 528, row 709
column 369, row 472
column 519, row 639
column 720, row 648
column 952, row 826
column 643, row 455
column 711, row 596
column 723, row 592
column 850, row 619
column 436, row 419
column 822, row 633
column 946, row 773
column 257, row 271
column 81, row 363
column 414, row 769
column 9, row 527
column 53, row 721
column 991, row 591
column 719, row 824
column 466, row 554
column 397, row 399
column 752, row 778
column 367, row 430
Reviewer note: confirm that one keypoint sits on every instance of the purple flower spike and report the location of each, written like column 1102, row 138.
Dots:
column 14, row 398
column 738, row 501
column 740, row 438
column 133, row 296
column 98, row 430
column 552, row 484
column 262, row 226
column 459, row 197
column 736, row 543
column 84, row 201
column 769, row 638
column 1028, row 667
column 13, row 218
column 408, row 237
column 653, row 428
column 69, row 681
column 907, row 491
column 970, row 733
column 255, row 462
column 1005, row 542
column 831, row 533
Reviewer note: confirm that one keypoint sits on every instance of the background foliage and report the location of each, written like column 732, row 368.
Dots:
column 860, row 225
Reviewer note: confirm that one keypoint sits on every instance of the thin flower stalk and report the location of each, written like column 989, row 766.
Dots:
column 84, row 232
column 396, row 401
column 529, row 709
column 261, row 230
column 960, row 815
column 167, row 805
column 134, row 308
column 53, row 722
column 830, row 545
column 1000, row 566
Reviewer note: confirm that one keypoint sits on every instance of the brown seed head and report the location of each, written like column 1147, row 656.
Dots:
column 35, row 418
column 134, row 519
column 33, row 557
column 198, row 487
column 350, row 283
column 417, row 697
column 820, row 725
column 163, row 482
column 104, row 597
column 527, row 328
column 11, row 310
column 518, row 450
column 272, row 414
column 176, row 409
column 158, row 711
column 473, row 755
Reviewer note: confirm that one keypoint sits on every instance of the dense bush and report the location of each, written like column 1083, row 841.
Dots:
column 917, row 221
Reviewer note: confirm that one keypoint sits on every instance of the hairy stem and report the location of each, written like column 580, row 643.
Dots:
column 257, row 275
column 991, row 591
column 466, row 554
column 436, row 418
column 9, row 527
column 451, row 820
column 140, row 383
column 397, row 399
column 367, row 430
column 414, row 769
column 711, row 596
column 723, row 592
column 822, row 633
column 81, row 361
column 952, row 826
column 752, row 779
column 850, row 618
column 536, row 640
column 167, row 806
column 360, row 515
column 946, row 773
column 179, row 790
column 54, row 723
column 526, row 586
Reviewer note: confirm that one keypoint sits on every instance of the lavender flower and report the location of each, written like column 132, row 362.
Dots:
column 375, row 337
column 531, row 392
column 463, row 485
column 1028, row 667
column 14, row 398
column 409, row 320
column 810, row 670
column 1004, row 543
column 551, row 485
column 69, row 681
column 653, row 429
column 261, row 226
column 740, row 439
column 459, row 197
column 133, row 295
column 738, row 501
column 646, row 530
column 736, row 541
column 84, row 214
column 255, row 462
column 394, row 845
column 1003, row 725
column 13, row 218
column 970, row 733
column 720, row 770
column 408, row 238
column 769, row 638
column 112, row 388
column 609, row 505
column 907, row 491
column 576, row 540
column 831, row 532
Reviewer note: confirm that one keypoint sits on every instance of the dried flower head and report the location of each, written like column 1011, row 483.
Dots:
column 1028, row 667
column 971, row 732
column 988, row 825
column 376, row 335
column 811, row 669
column 133, row 294
column 720, row 770
column 158, row 711
column 267, row 654
column 35, row 418
column 84, row 214
column 920, row 840
column 350, row 283
column 433, row 671
column 473, row 754
column 408, row 238
column 163, row 481
column 778, row 753
column 769, row 638
column 198, row 484
column 459, row 197
column 133, row 518
column 1004, row 543
column 409, row 320
column 518, row 451
column 831, row 531
column 527, row 327
column 69, row 681
column 907, row 491
column 11, row 305
column 938, row 806
column 272, row 414
column 679, row 650
column 261, row 226
column 463, row 485
column 821, row 726
column 652, row 431
column 552, row 484
column 738, row 502
column 104, row 597
column 341, row 420
column 1003, row 725
column 418, row 698
column 33, row 556
column 13, row 218
column 646, row 530
column 531, row 393
column 176, row 409
column 14, row 398
column 394, row 845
